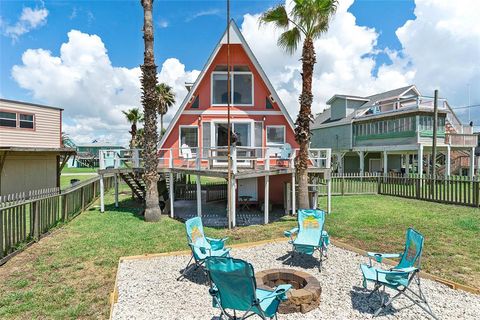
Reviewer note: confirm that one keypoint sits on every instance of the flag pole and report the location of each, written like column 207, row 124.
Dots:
column 229, row 155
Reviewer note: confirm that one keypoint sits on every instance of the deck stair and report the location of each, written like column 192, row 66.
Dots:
column 136, row 184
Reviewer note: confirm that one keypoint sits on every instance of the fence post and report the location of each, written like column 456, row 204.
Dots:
column 417, row 186
column 476, row 193
column 379, row 184
column 36, row 221
column 343, row 184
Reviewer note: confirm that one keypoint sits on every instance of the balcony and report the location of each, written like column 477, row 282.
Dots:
column 461, row 139
column 388, row 106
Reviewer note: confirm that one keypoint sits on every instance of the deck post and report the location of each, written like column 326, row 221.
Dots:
column 102, row 194
column 472, row 163
column 294, row 211
column 420, row 160
column 116, row 189
column 267, row 200
column 233, row 195
column 447, row 171
column 329, row 195
column 362, row 162
column 385, row 163
column 199, row 196
column 407, row 163
column 170, row 190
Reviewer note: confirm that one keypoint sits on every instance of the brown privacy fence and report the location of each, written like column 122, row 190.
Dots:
column 25, row 218
column 188, row 191
column 458, row 190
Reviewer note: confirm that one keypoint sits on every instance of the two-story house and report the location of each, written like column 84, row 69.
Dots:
column 393, row 132
column 31, row 150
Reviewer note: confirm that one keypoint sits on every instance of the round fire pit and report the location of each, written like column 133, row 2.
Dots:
column 304, row 295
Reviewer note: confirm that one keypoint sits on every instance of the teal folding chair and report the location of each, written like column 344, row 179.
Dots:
column 201, row 246
column 310, row 236
column 401, row 276
column 233, row 287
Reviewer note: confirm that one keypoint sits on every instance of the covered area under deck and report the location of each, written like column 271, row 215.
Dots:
column 259, row 192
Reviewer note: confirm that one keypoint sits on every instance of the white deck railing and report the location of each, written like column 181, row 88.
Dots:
column 210, row 158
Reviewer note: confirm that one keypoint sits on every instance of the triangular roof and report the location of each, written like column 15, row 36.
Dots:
column 236, row 37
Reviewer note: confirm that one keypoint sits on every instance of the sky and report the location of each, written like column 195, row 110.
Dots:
column 84, row 56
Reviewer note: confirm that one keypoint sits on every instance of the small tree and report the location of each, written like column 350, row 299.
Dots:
column 308, row 19
column 149, row 102
column 166, row 99
column 134, row 116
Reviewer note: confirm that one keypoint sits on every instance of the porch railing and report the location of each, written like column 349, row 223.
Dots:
column 461, row 139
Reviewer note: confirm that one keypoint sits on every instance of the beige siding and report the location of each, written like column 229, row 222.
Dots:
column 47, row 132
column 27, row 171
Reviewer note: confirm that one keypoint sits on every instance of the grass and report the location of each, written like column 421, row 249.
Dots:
column 71, row 273
column 65, row 180
column 79, row 170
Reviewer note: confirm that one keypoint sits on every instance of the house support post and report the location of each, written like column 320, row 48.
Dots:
column 102, row 194
column 362, row 162
column 199, row 196
column 329, row 195
column 171, row 191
column 448, row 164
column 472, row 162
column 294, row 210
column 385, row 164
column 267, row 200
column 420, row 160
column 116, row 189
column 407, row 163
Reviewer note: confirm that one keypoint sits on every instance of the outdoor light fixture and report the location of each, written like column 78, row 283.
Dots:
column 264, row 118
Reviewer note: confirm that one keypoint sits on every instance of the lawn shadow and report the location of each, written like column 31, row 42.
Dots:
column 299, row 260
column 364, row 303
column 126, row 206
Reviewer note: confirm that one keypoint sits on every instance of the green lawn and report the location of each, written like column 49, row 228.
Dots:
column 71, row 273
column 65, row 180
column 78, row 170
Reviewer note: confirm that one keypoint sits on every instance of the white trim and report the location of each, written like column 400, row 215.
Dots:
column 256, row 64
column 233, row 112
column 275, row 144
column 232, row 89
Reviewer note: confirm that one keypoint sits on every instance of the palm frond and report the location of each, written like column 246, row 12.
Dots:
column 290, row 39
column 277, row 15
column 166, row 97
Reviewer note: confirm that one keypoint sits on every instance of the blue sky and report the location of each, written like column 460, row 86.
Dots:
column 371, row 46
column 187, row 30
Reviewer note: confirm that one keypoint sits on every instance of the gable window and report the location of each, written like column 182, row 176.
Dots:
column 189, row 136
column 26, row 121
column 241, row 87
column 275, row 135
column 8, row 119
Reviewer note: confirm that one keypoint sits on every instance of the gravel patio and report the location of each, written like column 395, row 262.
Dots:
column 148, row 289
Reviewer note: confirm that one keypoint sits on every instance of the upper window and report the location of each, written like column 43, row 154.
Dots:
column 26, row 121
column 8, row 119
column 275, row 135
column 241, row 88
column 189, row 137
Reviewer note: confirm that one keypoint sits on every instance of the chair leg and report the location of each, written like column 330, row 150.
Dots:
column 373, row 291
column 389, row 302
column 188, row 268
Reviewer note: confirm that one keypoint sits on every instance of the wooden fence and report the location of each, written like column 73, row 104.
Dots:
column 188, row 191
column 458, row 190
column 216, row 191
column 27, row 219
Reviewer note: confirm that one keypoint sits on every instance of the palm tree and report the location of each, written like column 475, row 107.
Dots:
column 134, row 116
column 307, row 20
column 166, row 99
column 149, row 101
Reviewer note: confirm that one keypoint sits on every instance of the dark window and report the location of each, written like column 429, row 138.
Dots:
column 26, row 121
column 195, row 103
column 221, row 67
column 241, row 68
column 268, row 103
column 8, row 119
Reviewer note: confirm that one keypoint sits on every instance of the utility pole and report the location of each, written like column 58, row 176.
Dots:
column 435, row 124
column 230, row 192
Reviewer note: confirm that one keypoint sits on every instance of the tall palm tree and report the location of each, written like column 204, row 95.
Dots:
column 134, row 116
column 166, row 99
column 307, row 20
column 149, row 101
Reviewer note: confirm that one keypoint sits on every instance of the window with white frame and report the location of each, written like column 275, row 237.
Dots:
column 275, row 136
column 189, row 138
column 8, row 119
column 241, row 87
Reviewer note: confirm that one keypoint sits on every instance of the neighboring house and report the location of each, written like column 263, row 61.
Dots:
column 259, row 119
column 88, row 153
column 31, row 150
column 392, row 132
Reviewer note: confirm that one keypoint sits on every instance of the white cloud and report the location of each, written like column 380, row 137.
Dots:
column 163, row 23
column 29, row 19
column 92, row 91
column 204, row 13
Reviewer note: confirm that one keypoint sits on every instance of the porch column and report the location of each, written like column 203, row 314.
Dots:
column 429, row 169
column 116, row 189
column 362, row 162
column 171, row 192
column 293, row 193
column 267, row 200
column 448, row 164
column 102, row 194
column 407, row 163
column 472, row 162
column 420, row 160
column 385, row 162
column 233, row 196
column 199, row 196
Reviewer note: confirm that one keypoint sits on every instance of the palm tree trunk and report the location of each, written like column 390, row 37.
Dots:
column 161, row 124
column 302, row 129
column 149, row 101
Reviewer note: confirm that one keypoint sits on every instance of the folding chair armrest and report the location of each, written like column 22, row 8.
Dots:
column 380, row 256
column 216, row 243
column 202, row 249
column 279, row 292
column 407, row 270
column 291, row 232
column 395, row 276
